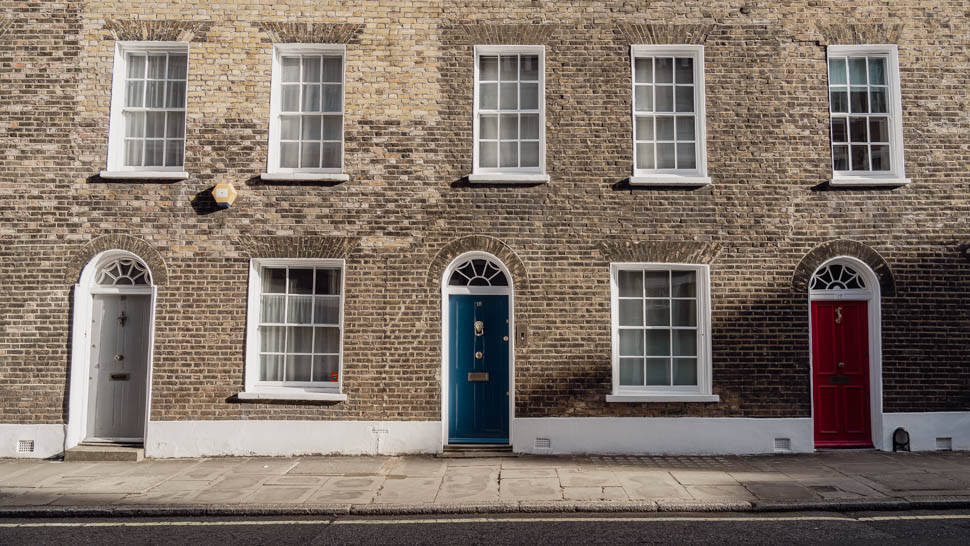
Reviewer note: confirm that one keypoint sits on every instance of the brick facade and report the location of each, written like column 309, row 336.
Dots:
column 768, row 218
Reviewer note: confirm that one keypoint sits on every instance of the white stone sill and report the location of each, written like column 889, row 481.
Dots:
column 305, row 177
column 508, row 178
column 663, row 398
column 144, row 175
column 669, row 180
column 867, row 181
column 296, row 396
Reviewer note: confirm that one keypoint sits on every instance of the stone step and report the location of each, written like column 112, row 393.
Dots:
column 465, row 451
column 95, row 452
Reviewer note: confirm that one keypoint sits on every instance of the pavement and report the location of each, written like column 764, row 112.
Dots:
column 831, row 481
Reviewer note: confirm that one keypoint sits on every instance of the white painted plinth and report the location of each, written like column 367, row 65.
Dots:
column 48, row 440
column 925, row 428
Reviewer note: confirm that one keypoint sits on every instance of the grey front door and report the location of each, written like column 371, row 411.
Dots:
column 119, row 367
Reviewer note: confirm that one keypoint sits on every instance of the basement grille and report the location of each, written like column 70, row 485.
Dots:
column 543, row 443
column 25, row 446
column 783, row 445
column 944, row 444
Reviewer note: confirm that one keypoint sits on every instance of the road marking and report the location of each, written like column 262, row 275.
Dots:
column 438, row 521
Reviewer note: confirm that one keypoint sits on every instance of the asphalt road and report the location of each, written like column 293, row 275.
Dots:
column 922, row 527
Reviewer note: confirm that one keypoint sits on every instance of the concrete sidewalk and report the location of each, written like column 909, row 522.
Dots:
column 425, row 484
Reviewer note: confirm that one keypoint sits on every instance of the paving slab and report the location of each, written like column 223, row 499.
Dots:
column 469, row 484
column 32, row 497
column 280, row 494
column 221, row 496
column 589, row 478
column 720, row 492
column 267, row 465
column 916, row 481
column 418, row 467
column 703, row 477
column 182, row 485
column 357, row 483
column 779, row 491
column 746, row 476
column 341, row 496
column 323, row 466
column 594, row 493
column 238, row 482
column 298, row 480
column 208, row 469
column 106, row 469
column 537, row 489
column 538, row 472
column 120, row 484
column 408, row 490
column 88, row 499
column 651, row 485
column 41, row 472
column 159, row 498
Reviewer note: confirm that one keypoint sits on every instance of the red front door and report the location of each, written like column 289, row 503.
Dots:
column 840, row 373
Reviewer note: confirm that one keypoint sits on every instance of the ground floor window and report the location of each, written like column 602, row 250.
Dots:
column 660, row 323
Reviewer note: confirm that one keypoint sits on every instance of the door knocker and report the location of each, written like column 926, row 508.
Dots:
column 838, row 315
column 479, row 328
column 122, row 319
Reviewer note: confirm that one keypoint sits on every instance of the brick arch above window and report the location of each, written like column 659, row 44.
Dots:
column 152, row 258
column 833, row 249
column 480, row 243
column 157, row 30
column 685, row 252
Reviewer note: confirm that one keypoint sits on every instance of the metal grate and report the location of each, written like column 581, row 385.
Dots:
column 543, row 443
column 25, row 446
column 944, row 444
column 782, row 445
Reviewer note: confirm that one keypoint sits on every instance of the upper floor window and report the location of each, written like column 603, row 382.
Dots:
column 866, row 115
column 147, row 126
column 509, row 114
column 669, row 142
column 307, row 111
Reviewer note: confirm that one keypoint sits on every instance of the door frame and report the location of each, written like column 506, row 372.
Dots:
column 872, row 296
column 84, row 292
column 446, row 292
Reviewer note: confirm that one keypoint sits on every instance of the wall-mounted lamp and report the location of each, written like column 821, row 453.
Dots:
column 224, row 194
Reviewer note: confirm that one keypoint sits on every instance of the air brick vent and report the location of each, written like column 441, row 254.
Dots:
column 944, row 444
column 543, row 443
column 782, row 445
column 25, row 446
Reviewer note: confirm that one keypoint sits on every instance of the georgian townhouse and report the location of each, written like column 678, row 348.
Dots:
column 277, row 228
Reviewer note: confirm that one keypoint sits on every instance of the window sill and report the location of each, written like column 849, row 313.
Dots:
column 867, row 181
column 669, row 180
column 508, row 178
column 296, row 396
column 663, row 398
column 305, row 177
column 144, row 175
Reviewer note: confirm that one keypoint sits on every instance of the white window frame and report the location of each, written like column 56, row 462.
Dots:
column 499, row 175
column 666, row 177
column 115, row 167
column 254, row 388
column 897, row 175
column 273, row 169
column 699, row 393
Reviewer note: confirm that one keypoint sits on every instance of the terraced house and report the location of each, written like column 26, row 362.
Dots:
column 386, row 226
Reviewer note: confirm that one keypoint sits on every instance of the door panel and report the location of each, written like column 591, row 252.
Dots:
column 478, row 369
column 119, row 367
column 840, row 366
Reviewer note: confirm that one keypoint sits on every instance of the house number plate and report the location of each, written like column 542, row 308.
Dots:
column 477, row 376
column 838, row 380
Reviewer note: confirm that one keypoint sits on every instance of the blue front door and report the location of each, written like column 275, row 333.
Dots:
column 478, row 345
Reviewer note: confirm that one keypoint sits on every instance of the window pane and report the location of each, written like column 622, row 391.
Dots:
column 685, row 70
column 299, row 340
column 509, row 127
column 630, row 283
column 312, row 126
column 154, row 151
column 840, row 130
column 326, row 310
column 529, row 126
column 173, row 152
column 658, row 342
column 291, row 98
column 155, row 96
column 488, row 68
column 665, row 156
column 274, row 280
column 328, row 282
column 310, row 155
column 529, row 154
column 331, row 98
column 658, row 371
column 529, row 67
column 298, row 309
column 332, row 69
column 488, row 96
column 530, row 96
column 325, row 368
column 177, row 65
column 271, row 367
column 136, row 66
column 509, row 154
column 290, row 154
column 665, row 98
column 135, row 95
column 271, row 309
column 175, row 126
column 840, row 100
column 837, row 71
column 311, row 69
column 665, row 128
column 658, row 312
column 860, row 158
column 155, row 124
column 509, row 68
column 643, row 70
column 684, row 284
column 133, row 152
column 175, row 95
column 631, row 371
column 631, row 312
column 857, row 129
column 631, row 342
column 291, row 69
column 135, row 124
column 840, row 158
column 645, row 156
column 301, row 281
column 271, row 339
column 643, row 98
column 488, row 154
column 879, row 100
column 877, row 71
column 857, row 72
column 327, row 340
column 289, row 127
column 685, row 157
column 644, row 128
column 509, row 99
column 658, row 285
column 156, row 66
column 685, row 99
column 859, row 100
column 880, row 158
column 298, row 367
column 685, row 371
column 685, row 342
column 664, row 70
column 311, row 98
column 684, row 312
column 685, row 128
column 488, row 127
column 330, row 155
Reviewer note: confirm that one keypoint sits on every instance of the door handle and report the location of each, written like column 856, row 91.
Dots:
column 840, row 365
column 479, row 328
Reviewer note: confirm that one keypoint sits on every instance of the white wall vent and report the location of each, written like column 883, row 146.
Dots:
column 782, row 445
column 944, row 444
column 25, row 446
column 543, row 443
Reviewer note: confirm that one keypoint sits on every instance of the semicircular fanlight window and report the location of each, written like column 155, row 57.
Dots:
column 124, row 272
column 837, row 277
column 478, row 272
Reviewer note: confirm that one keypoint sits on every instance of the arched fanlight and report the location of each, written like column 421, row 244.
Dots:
column 123, row 272
column 837, row 277
column 478, row 272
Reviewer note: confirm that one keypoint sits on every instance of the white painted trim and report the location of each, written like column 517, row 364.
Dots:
column 305, row 176
column 510, row 178
column 290, row 438
column 661, row 435
column 873, row 296
column 274, row 171
column 897, row 175
column 924, row 428
column 692, row 177
column 447, row 291
column 115, row 165
column 518, row 171
column 703, row 391
column 295, row 395
column 84, row 292
column 48, row 440
column 663, row 398
column 251, row 383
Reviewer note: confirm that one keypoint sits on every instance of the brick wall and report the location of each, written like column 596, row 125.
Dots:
column 408, row 149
